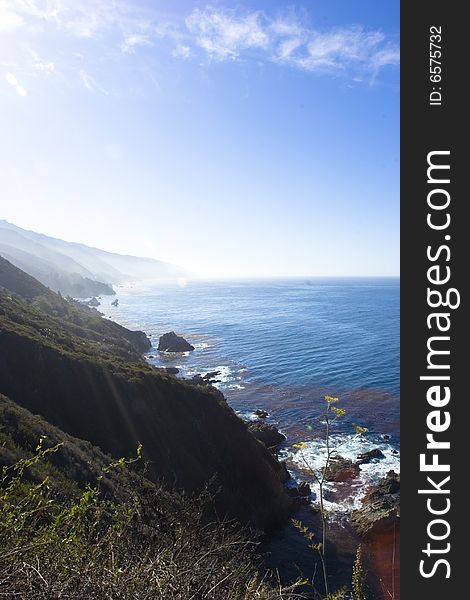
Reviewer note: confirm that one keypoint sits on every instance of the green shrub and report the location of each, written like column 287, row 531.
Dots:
column 156, row 546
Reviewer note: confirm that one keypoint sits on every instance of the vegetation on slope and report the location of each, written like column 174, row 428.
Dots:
column 74, row 526
column 72, row 319
column 57, row 362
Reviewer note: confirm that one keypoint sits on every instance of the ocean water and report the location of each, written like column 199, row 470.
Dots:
column 281, row 346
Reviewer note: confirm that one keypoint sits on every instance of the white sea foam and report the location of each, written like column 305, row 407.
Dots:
column 247, row 415
column 341, row 498
column 225, row 373
column 201, row 345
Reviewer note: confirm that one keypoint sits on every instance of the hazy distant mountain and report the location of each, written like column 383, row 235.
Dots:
column 75, row 269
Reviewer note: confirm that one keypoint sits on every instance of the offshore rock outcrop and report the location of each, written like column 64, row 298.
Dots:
column 261, row 414
column 207, row 379
column 366, row 457
column 170, row 342
column 94, row 302
column 341, row 469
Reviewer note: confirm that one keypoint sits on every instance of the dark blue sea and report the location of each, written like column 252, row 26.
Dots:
column 281, row 346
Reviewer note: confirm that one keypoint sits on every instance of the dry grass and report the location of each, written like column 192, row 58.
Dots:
column 157, row 545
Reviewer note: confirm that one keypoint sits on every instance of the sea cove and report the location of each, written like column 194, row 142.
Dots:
column 280, row 346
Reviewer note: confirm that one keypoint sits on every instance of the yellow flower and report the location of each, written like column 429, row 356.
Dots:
column 331, row 399
column 300, row 446
column 360, row 430
column 339, row 412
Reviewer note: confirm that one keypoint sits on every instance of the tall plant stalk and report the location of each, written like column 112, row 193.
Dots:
column 332, row 413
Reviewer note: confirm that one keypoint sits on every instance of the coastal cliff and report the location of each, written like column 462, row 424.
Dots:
column 84, row 375
column 74, row 523
column 76, row 269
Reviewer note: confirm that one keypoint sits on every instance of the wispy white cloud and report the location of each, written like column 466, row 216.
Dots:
column 181, row 51
column 217, row 33
column 40, row 64
column 9, row 18
column 346, row 49
column 287, row 27
column 287, row 48
column 133, row 40
column 165, row 29
column 390, row 55
column 225, row 34
column 228, row 34
column 90, row 83
column 82, row 19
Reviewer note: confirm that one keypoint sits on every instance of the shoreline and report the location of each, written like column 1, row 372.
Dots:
column 284, row 451
column 342, row 535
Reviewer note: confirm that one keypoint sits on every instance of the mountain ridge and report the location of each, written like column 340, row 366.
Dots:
column 74, row 268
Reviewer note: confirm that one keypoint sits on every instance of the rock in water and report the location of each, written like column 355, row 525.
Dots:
column 268, row 434
column 115, row 302
column 211, row 376
column 341, row 469
column 262, row 414
column 93, row 302
column 300, row 493
column 304, row 489
column 172, row 370
column 170, row 342
column 207, row 379
column 366, row 457
column 390, row 484
column 380, row 510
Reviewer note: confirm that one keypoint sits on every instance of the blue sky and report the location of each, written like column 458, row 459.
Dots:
column 252, row 139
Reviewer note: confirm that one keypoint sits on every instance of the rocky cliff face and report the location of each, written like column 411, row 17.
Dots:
column 73, row 375
column 72, row 319
column 380, row 511
column 75, row 464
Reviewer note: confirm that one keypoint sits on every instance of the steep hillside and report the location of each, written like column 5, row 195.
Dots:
column 73, row 319
column 74, row 524
column 78, row 382
column 56, row 271
column 75, row 464
column 75, row 269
